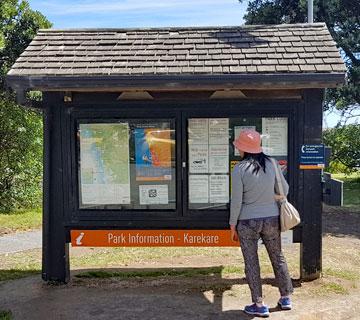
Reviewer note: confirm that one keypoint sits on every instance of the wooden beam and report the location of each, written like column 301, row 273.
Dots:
column 273, row 94
column 177, row 82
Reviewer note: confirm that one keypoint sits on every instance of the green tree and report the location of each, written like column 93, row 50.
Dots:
column 345, row 149
column 342, row 18
column 20, row 129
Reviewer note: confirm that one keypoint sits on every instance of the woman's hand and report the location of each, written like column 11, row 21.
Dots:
column 279, row 197
column 234, row 235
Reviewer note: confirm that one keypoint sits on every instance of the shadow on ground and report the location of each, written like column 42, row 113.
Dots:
column 341, row 221
column 174, row 295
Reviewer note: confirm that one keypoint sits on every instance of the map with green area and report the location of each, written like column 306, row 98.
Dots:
column 104, row 163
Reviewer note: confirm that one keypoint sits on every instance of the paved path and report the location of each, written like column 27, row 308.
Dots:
column 20, row 241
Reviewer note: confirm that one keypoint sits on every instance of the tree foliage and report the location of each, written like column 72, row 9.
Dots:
column 20, row 156
column 20, row 129
column 342, row 18
column 345, row 149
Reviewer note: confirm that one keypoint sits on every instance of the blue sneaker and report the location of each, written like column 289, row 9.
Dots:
column 285, row 304
column 257, row 311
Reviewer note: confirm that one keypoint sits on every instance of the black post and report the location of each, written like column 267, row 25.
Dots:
column 311, row 245
column 55, row 259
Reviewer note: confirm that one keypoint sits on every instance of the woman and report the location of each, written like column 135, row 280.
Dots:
column 254, row 214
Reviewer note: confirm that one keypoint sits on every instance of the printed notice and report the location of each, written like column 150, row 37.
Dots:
column 274, row 136
column 219, row 158
column 198, row 131
column 153, row 194
column 198, row 189
column 219, row 189
column 104, row 163
column 237, row 130
column 218, row 131
column 198, row 158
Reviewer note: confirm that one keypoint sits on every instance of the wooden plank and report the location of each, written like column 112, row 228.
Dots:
column 273, row 94
column 311, row 246
column 172, row 83
column 55, row 249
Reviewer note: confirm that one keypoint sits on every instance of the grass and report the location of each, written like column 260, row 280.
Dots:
column 186, row 272
column 21, row 220
column 143, row 264
column 5, row 315
column 13, row 274
column 20, row 264
column 351, row 188
column 110, row 257
column 329, row 288
column 342, row 274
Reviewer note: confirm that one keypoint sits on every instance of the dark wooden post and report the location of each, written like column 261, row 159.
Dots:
column 311, row 245
column 55, row 259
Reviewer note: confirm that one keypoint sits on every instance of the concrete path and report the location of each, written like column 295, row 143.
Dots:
column 20, row 241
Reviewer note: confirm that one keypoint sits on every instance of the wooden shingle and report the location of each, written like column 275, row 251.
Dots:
column 298, row 48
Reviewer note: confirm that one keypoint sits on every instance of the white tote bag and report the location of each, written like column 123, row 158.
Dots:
column 289, row 216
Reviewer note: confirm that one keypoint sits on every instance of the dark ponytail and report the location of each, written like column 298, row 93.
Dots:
column 258, row 160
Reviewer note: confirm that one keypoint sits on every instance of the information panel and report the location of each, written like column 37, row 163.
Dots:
column 104, row 154
column 126, row 165
column 312, row 156
column 208, row 156
column 212, row 155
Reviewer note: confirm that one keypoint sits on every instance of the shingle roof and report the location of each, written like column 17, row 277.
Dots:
column 289, row 49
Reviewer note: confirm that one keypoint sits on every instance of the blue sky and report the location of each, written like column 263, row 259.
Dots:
column 140, row 13
column 146, row 13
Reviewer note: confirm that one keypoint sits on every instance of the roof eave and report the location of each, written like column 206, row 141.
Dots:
column 176, row 82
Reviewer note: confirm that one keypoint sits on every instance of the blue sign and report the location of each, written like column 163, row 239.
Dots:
column 312, row 156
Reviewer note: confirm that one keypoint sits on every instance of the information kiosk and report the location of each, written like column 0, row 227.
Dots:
column 139, row 124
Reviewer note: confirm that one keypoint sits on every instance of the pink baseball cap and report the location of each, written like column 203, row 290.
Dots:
column 248, row 141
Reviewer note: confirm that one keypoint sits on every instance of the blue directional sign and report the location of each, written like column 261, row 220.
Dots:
column 312, row 156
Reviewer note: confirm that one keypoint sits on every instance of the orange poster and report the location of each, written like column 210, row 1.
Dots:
column 153, row 154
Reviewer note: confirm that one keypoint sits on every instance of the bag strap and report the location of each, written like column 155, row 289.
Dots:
column 278, row 179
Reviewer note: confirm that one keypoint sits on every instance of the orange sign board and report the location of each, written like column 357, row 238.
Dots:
column 152, row 238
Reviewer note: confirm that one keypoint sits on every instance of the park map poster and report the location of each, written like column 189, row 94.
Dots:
column 104, row 163
column 153, row 154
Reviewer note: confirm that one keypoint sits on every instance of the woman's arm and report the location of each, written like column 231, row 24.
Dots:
column 284, row 183
column 236, row 195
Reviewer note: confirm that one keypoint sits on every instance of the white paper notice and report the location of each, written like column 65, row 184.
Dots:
column 199, row 189
column 237, row 130
column 219, row 158
column 105, row 194
column 198, row 131
column 198, row 158
column 153, row 194
column 218, row 131
column 219, row 189
column 274, row 136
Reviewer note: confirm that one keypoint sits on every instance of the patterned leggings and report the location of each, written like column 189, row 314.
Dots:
column 268, row 229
